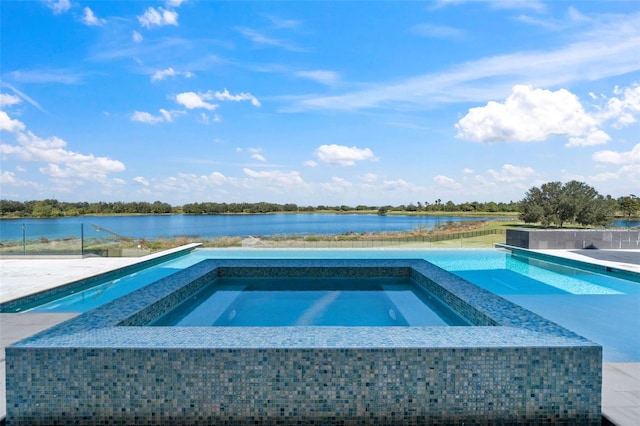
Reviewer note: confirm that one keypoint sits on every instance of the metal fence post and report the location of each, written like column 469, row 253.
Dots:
column 82, row 239
column 24, row 239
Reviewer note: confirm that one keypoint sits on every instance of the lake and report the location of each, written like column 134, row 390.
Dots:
column 151, row 227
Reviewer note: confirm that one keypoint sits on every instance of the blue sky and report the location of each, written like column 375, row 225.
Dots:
column 317, row 102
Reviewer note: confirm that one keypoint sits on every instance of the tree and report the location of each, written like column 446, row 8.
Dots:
column 555, row 203
column 629, row 205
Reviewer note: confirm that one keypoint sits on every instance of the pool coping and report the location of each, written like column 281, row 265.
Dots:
column 593, row 265
column 22, row 303
column 509, row 325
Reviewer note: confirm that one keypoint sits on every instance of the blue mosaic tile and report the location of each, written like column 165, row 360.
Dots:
column 108, row 367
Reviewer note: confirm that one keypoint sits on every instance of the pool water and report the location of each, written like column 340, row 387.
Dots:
column 305, row 301
column 601, row 308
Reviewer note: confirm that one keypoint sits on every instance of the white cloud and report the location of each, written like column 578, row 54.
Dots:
column 9, row 124
column 529, row 115
column 10, row 179
column 613, row 157
column 192, row 100
column 145, row 117
column 169, row 115
column 604, row 177
column 622, row 109
column 136, row 36
column 342, row 155
column 275, row 177
column 7, row 178
column 90, row 19
column 258, row 157
column 158, row 17
column 8, row 100
column 325, row 77
column 141, row 180
column 226, row 96
column 59, row 6
column 369, row 177
column 169, row 72
column 628, row 163
column 61, row 162
column 310, row 163
column 511, row 174
column 396, row 184
column 596, row 137
column 175, row 3
column 444, row 180
column 337, row 185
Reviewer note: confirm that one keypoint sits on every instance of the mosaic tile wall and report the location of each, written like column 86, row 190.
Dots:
column 572, row 239
column 91, row 370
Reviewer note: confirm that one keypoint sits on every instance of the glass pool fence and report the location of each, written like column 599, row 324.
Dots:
column 93, row 240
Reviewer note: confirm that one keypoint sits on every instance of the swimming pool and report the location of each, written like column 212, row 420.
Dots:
column 109, row 365
column 311, row 301
column 599, row 307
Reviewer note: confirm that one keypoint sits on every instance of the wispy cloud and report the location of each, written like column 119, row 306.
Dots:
column 572, row 18
column 262, row 40
column 169, row 72
column 23, row 96
column 325, row 77
column 604, row 51
column 282, row 23
column 148, row 118
column 192, row 100
column 536, row 5
column 438, row 31
column 45, row 76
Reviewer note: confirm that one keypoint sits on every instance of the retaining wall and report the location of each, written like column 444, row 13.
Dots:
column 571, row 239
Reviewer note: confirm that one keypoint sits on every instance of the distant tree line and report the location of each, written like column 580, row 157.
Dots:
column 55, row 208
column 554, row 203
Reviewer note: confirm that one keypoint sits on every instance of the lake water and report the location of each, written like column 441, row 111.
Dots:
column 151, row 227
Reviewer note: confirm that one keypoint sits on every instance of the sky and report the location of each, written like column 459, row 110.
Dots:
column 317, row 102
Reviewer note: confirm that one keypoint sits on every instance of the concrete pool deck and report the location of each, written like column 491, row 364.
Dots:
column 21, row 277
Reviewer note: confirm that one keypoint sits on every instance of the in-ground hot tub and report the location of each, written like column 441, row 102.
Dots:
column 122, row 363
